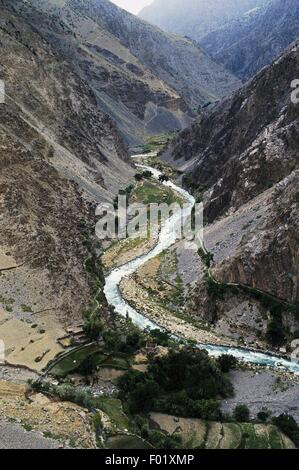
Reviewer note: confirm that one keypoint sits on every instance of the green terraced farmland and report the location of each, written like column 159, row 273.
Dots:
column 197, row 433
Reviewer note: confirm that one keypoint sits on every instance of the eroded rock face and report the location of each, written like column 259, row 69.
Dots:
column 247, row 143
column 40, row 222
column 146, row 80
column 242, row 35
column 59, row 156
column 244, row 152
column 245, row 45
column 268, row 257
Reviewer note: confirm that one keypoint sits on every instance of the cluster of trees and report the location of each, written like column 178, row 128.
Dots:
column 93, row 326
column 206, row 256
column 287, row 424
column 186, row 383
column 144, row 175
column 160, row 337
column 66, row 392
column 115, row 340
column 163, row 178
column 128, row 343
column 227, row 362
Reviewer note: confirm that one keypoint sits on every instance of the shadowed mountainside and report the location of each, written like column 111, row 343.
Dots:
column 57, row 150
column 148, row 81
column 196, row 18
column 252, row 41
column 241, row 157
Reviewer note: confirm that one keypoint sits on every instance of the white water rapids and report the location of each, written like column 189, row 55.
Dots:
column 167, row 238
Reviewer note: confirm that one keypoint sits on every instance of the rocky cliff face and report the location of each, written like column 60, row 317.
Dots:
column 244, row 36
column 268, row 257
column 237, row 147
column 245, row 45
column 177, row 61
column 242, row 157
column 57, row 151
column 147, row 81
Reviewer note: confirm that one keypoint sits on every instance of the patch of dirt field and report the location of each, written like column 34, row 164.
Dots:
column 6, row 262
column 215, row 435
column 232, row 436
column 60, row 420
column 126, row 250
column 192, row 431
column 30, row 345
column 140, row 367
column 108, row 375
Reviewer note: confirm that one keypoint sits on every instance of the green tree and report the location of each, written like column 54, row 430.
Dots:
column 241, row 413
column 88, row 366
column 287, row 424
column 138, row 177
column 263, row 416
column 147, row 174
column 112, row 339
column 275, row 332
column 161, row 337
column 93, row 326
column 163, row 178
column 227, row 362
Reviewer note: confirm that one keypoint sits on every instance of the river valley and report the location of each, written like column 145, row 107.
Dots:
column 167, row 237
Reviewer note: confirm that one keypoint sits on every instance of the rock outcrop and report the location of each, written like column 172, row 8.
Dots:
column 244, row 36
column 59, row 155
column 245, row 45
column 242, row 157
column 146, row 80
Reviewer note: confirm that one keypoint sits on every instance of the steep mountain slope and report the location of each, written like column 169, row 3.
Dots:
column 175, row 60
column 55, row 145
column 196, row 18
column 242, row 156
column 147, row 86
column 247, row 44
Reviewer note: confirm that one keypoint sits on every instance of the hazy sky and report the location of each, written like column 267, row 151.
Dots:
column 134, row 6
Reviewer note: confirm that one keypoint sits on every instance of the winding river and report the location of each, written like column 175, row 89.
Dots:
column 167, row 238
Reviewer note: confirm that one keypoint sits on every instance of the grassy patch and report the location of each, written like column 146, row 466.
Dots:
column 275, row 440
column 71, row 362
column 157, row 142
column 235, row 434
column 116, row 361
column 101, row 359
column 149, row 192
column 113, row 408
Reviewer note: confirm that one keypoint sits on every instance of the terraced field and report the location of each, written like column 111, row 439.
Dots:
column 196, row 433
